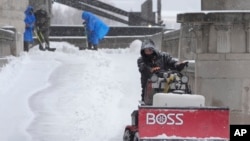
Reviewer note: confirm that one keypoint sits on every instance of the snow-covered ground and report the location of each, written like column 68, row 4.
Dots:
column 69, row 95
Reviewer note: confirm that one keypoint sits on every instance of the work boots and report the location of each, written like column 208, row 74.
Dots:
column 41, row 48
column 95, row 47
column 91, row 46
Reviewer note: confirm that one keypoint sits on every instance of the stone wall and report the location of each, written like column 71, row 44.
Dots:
column 7, row 38
column 180, row 43
column 12, row 16
column 222, row 59
column 170, row 42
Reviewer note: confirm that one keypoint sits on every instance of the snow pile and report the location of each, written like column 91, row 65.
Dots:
column 164, row 137
column 135, row 46
column 68, row 95
column 178, row 100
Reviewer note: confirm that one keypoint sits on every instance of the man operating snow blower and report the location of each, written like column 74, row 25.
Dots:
column 152, row 60
column 170, row 111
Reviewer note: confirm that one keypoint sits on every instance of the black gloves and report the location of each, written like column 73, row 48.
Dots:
column 154, row 69
column 143, row 68
column 180, row 66
column 84, row 23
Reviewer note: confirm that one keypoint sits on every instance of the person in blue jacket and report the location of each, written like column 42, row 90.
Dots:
column 29, row 26
column 96, row 29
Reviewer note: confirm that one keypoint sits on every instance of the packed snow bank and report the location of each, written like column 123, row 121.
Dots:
column 19, row 80
column 69, row 95
column 135, row 46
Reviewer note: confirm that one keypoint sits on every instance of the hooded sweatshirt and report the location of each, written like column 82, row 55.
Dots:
column 156, row 59
column 96, row 28
column 29, row 24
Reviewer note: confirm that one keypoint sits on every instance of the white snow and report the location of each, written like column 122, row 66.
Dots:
column 69, row 95
column 164, row 136
column 9, row 31
column 175, row 100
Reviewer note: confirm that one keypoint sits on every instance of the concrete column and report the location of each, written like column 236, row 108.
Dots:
column 247, row 30
column 222, row 62
column 190, row 41
column 223, row 38
column 198, row 36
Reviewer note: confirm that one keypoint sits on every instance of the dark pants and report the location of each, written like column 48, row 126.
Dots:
column 143, row 87
column 26, row 46
column 44, row 37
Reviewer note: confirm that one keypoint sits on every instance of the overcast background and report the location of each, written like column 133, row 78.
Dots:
column 170, row 8
column 167, row 5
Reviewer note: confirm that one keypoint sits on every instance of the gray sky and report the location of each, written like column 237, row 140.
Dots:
column 167, row 5
column 170, row 8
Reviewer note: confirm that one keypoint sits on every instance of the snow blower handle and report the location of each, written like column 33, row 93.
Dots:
column 181, row 66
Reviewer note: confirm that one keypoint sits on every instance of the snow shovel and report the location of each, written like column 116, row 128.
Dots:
column 41, row 40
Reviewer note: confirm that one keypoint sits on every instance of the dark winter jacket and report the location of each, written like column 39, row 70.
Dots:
column 96, row 28
column 158, row 59
column 42, row 20
column 29, row 24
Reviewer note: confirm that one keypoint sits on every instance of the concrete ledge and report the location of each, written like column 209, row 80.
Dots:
column 214, row 17
column 217, row 57
column 7, row 34
column 7, row 38
column 240, row 56
column 225, row 5
column 171, row 35
column 78, row 30
column 191, row 17
column 210, row 57
column 223, row 69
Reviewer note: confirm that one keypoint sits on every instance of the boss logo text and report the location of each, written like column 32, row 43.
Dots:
column 162, row 118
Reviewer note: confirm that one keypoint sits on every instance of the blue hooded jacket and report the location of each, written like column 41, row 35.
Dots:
column 29, row 24
column 96, row 28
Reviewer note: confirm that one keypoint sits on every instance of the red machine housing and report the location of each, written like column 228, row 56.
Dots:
column 179, row 123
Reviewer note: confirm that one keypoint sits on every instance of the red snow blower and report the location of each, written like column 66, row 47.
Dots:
column 173, row 115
